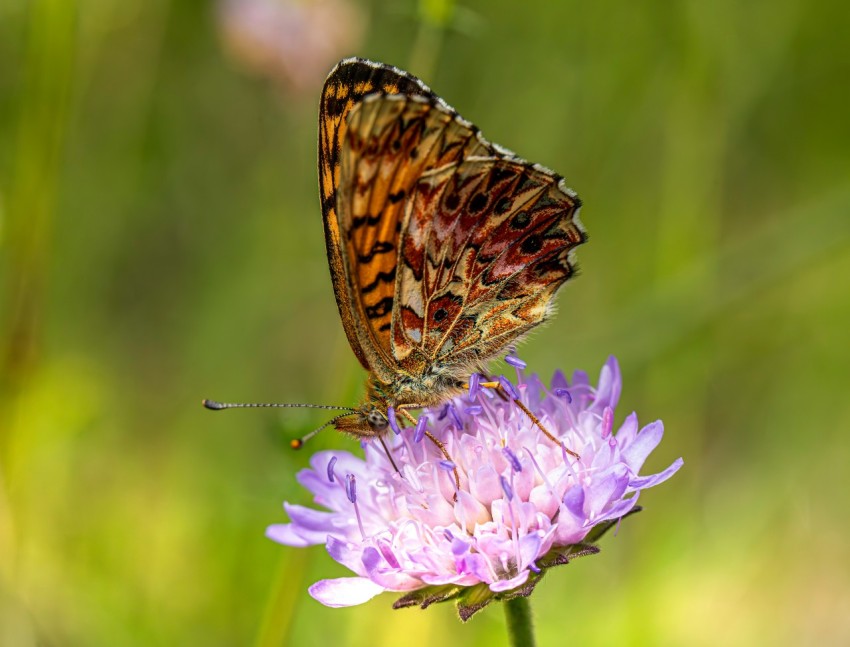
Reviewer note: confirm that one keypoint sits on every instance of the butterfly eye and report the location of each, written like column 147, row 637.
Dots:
column 376, row 420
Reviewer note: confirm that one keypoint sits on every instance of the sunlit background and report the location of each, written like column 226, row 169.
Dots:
column 161, row 242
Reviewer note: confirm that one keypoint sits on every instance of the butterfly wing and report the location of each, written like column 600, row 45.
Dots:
column 381, row 130
column 487, row 243
column 443, row 247
column 346, row 86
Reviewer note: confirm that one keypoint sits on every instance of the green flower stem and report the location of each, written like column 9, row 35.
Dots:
column 518, row 615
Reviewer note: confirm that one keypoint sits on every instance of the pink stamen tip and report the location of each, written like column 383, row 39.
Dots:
column 607, row 421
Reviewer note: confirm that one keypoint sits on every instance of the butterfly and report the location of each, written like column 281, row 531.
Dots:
column 444, row 248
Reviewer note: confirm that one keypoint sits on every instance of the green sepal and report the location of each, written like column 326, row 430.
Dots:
column 429, row 595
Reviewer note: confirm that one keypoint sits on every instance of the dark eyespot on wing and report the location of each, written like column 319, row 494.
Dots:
column 520, row 220
column 502, row 205
column 532, row 244
column 478, row 202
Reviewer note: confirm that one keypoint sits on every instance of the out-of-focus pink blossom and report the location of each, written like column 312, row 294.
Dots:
column 294, row 42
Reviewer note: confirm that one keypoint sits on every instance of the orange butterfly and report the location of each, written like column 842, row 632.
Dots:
column 443, row 248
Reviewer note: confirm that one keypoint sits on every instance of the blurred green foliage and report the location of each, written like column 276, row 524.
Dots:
column 161, row 241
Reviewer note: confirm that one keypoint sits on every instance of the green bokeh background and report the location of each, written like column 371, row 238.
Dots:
column 161, row 241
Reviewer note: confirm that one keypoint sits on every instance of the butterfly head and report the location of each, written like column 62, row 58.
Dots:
column 366, row 422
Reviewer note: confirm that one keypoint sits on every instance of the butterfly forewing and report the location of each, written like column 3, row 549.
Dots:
column 346, row 86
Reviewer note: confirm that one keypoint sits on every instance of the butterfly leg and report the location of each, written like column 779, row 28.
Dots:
column 402, row 409
column 448, row 456
column 499, row 389
column 390, row 456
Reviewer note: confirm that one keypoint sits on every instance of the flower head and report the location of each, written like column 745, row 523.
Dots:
column 524, row 503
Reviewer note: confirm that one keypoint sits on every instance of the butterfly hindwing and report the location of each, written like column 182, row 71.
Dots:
column 485, row 247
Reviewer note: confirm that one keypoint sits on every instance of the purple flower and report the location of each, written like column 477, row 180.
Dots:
column 524, row 504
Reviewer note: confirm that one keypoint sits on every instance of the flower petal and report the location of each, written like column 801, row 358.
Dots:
column 310, row 519
column 634, row 454
column 608, row 389
column 347, row 554
column 529, row 549
column 651, row 481
column 627, row 431
column 619, row 509
column 507, row 585
column 609, row 487
column 345, row 591
column 288, row 534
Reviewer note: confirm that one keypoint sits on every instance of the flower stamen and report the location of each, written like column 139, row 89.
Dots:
column 516, row 362
column 351, row 493
column 474, row 386
column 512, row 459
column 419, row 430
column 607, row 421
column 563, row 393
column 391, row 418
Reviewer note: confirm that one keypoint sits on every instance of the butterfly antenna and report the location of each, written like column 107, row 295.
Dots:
column 218, row 406
column 298, row 443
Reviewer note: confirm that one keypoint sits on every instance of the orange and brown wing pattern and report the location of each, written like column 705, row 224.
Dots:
column 346, row 86
column 443, row 247
column 487, row 244
column 386, row 142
